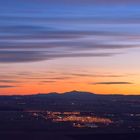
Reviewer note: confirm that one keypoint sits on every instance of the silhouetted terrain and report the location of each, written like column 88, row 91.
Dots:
column 73, row 100
column 26, row 117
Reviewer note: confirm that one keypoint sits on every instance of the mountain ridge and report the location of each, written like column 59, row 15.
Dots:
column 70, row 93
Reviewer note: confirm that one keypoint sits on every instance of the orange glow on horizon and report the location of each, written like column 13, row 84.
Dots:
column 64, row 87
column 59, row 81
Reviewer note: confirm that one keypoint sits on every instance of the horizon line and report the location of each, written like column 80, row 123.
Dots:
column 61, row 93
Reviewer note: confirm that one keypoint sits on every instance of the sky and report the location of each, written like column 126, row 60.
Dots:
column 63, row 45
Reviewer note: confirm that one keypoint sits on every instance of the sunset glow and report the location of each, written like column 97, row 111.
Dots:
column 57, row 47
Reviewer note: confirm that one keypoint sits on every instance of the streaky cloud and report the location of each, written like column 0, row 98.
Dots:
column 33, row 56
column 7, row 86
column 9, row 81
column 94, row 75
column 111, row 83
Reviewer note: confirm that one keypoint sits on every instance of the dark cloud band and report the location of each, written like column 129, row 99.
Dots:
column 111, row 83
column 6, row 86
column 31, row 56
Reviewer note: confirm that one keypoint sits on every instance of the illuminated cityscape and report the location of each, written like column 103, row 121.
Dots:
column 76, row 118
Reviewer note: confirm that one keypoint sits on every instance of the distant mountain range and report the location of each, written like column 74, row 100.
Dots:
column 73, row 93
column 85, row 94
column 73, row 100
column 68, row 94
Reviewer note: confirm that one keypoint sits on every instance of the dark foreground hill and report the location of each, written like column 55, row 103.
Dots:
column 74, row 100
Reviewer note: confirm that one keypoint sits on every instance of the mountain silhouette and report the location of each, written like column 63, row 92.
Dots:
column 70, row 94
